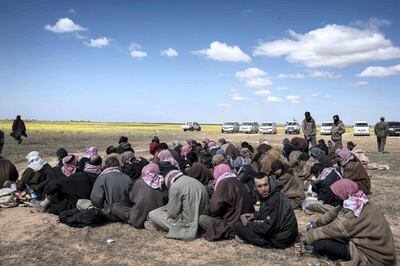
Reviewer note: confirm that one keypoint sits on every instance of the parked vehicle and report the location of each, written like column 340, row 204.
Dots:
column 394, row 128
column 361, row 128
column 268, row 128
column 326, row 128
column 292, row 127
column 248, row 127
column 191, row 126
column 230, row 127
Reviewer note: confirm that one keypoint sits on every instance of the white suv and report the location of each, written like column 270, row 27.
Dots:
column 292, row 127
column 326, row 128
column 361, row 128
column 248, row 127
column 230, row 127
column 268, row 128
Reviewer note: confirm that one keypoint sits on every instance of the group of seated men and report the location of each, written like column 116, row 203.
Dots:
column 220, row 190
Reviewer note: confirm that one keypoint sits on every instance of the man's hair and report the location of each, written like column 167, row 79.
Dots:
column 276, row 165
column 382, row 118
column 260, row 175
column 263, row 148
column 316, row 169
column 163, row 146
column 335, row 116
column 307, row 113
column 321, row 141
column 112, row 162
column 95, row 160
column 122, row 139
column 350, row 143
column 110, row 149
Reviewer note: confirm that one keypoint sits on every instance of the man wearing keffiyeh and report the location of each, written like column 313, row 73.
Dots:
column 355, row 232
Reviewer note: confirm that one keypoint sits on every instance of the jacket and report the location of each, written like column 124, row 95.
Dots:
column 337, row 131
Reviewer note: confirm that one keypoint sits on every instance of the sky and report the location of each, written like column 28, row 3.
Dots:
column 205, row 61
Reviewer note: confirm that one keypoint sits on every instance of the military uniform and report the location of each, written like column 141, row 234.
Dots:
column 337, row 132
column 310, row 131
column 381, row 131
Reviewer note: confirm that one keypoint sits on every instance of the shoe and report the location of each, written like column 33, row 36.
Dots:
column 239, row 240
column 150, row 226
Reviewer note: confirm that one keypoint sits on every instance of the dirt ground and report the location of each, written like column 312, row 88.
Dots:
column 33, row 238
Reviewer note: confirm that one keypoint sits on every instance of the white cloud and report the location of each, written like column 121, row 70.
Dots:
column 262, row 92
column 170, row 52
column 293, row 98
column 331, row 46
column 290, row 76
column 224, row 104
column 273, row 99
column 135, row 50
column 322, row 74
column 235, row 95
column 222, row 52
column 315, row 94
column 281, row 88
column 380, row 71
column 72, row 11
column 372, row 23
column 138, row 54
column 359, row 84
column 254, row 78
column 327, row 95
column 64, row 25
column 99, row 43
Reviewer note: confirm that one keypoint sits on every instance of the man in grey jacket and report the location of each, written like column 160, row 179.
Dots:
column 111, row 186
column 188, row 199
column 309, row 129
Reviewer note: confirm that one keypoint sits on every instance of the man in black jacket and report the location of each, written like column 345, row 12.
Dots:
column 275, row 224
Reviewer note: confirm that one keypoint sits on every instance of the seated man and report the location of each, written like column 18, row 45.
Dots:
column 363, row 158
column 356, row 231
column 266, row 156
column 111, row 186
column 77, row 186
column 325, row 177
column 8, row 172
column 229, row 200
column 275, row 224
column 293, row 187
column 147, row 193
column 188, row 199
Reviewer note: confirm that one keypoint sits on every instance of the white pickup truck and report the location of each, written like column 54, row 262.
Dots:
column 191, row 126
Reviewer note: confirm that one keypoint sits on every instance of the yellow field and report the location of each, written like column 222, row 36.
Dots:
column 97, row 127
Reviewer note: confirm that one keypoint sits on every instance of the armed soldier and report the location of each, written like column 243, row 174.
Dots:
column 381, row 131
column 338, row 130
column 309, row 129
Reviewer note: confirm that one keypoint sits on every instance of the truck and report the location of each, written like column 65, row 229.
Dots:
column 191, row 126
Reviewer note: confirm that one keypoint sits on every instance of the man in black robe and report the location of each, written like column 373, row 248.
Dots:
column 18, row 129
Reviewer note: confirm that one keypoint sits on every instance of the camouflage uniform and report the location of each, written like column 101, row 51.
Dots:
column 381, row 131
column 310, row 130
column 337, row 132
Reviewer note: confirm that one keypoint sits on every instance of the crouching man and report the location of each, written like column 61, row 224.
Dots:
column 275, row 225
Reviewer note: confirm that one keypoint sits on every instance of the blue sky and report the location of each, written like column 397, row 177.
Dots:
column 209, row 61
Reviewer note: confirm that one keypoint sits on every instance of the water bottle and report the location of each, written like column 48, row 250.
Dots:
column 32, row 193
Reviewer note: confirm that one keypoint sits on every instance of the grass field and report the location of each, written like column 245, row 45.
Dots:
column 38, row 239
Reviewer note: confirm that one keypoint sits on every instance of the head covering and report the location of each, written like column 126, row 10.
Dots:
column 166, row 155
column 176, row 143
column 189, row 141
column 111, row 169
column 345, row 156
column 353, row 198
column 316, row 151
column 211, row 144
column 171, row 177
column 206, row 140
column 122, row 139
column 35, row 161
column 69, row 165
column 221, row 172
column 326, row 172
column 287, row 149
column 200, row 172
column 90, row 152
column 153, row 147
column 185, row 150
column 61, row 153
column 264, row 141
column 127, row 157
column 218, row 159
column 90, row 168
column 151, row 176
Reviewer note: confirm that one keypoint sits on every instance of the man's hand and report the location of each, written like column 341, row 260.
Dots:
column 245, row 218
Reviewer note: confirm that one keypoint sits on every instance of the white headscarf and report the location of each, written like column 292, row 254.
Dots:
column 35, row 161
